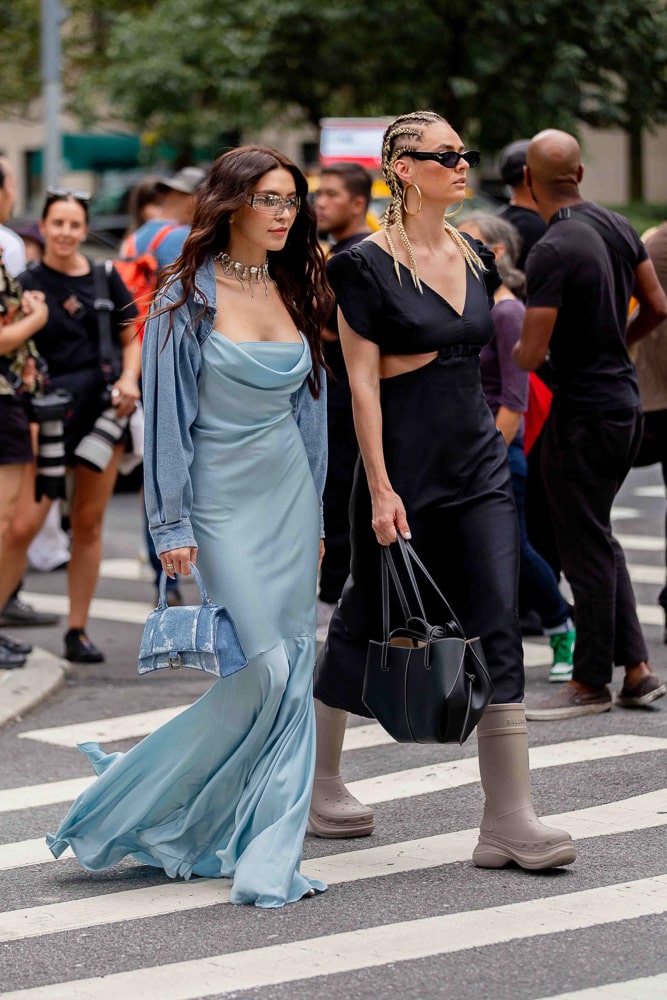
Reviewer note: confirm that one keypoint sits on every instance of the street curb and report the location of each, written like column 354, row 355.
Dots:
column 24, row 689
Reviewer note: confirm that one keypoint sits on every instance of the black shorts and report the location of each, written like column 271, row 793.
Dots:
column 15, row 441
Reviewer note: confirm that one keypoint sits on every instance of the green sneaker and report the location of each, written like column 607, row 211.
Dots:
column 562, row 645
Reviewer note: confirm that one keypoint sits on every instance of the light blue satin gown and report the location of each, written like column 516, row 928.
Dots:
column 223, row 789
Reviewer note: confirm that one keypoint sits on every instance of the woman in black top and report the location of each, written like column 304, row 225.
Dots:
column 70, row 345
column 414, row 311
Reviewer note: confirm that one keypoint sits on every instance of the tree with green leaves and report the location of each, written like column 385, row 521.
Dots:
column 195, row 73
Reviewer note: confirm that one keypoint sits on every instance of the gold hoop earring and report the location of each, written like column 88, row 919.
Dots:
column 451, row 215
column 404, row 199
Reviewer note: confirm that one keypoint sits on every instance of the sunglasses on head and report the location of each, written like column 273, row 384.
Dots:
column 448, row 158
column 56, row 193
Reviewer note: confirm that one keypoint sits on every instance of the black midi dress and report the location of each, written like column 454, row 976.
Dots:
column 446, row 460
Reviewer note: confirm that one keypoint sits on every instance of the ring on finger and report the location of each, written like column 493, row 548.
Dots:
column 169, row 565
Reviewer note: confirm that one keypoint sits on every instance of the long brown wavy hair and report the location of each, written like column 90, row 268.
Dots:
column 298, row 269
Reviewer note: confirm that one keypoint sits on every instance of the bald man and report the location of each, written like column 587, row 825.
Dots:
column 580, row 278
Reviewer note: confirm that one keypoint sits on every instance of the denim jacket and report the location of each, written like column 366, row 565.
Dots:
column 170, row 375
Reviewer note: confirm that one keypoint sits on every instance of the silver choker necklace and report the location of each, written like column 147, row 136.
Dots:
column 242, row 272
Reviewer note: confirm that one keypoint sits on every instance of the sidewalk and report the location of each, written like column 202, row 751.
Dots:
column 23, row 689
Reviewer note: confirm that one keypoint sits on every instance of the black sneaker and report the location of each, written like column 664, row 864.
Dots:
column 16, row 613
column 79, row 648
column 23, row 648
column 9, row 660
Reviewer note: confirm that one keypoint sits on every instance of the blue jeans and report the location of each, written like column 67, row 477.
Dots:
column 537, row 581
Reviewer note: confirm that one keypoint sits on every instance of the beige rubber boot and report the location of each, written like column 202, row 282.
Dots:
column 510, row 830
column 333, row 811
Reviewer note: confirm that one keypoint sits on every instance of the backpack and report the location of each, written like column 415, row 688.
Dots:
column 139, row 272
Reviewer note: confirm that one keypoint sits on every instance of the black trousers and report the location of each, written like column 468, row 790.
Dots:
column 585, row 459
column 448, row 463
column 652, row 451
column 343, row 452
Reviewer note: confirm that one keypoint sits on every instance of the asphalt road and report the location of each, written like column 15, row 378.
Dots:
column 406, row 914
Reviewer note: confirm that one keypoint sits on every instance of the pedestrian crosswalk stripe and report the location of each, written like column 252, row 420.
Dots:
column 416, row 781
column 124, row 727
column 641, row 543
column 369, row 947
column 126, row 569
column 646, row 988
column 646, row 574
column 657, row 490
column 440, row 776
column 127, row 727
column 136, row 612
column 120, row 727
column 650, row 614
column 625, row 816
column 624, row 513
column 130, row 612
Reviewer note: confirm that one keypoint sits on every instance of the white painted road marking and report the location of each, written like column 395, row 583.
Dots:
column 369, row 947
column 641, row 543
column 646, row 574
column 647, row 988
column 404, row 784
column 625, row 513
column 130, row 612
column 453, row 774
column 650, row 491
column 625, row 816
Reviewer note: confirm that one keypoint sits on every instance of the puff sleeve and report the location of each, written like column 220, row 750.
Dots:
column 357, row 293
column 491, row 278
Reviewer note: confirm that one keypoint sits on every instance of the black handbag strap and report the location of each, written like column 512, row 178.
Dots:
column 104, row 306
column 611, row 238
column 409, row 557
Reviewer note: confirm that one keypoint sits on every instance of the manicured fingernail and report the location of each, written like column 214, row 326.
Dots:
column 406, row 534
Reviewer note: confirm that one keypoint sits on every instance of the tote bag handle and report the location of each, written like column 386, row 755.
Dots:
column 409, row 557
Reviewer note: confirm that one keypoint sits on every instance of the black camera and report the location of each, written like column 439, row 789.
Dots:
column 49, row 412
column 96, row 448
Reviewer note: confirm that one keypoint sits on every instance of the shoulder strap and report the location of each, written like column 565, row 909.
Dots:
column 129, row 247
column 611, row 238
column 159, row 237
column 104, row 306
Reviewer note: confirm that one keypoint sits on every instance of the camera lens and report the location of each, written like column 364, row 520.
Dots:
column 50, row 411
column 96, row 448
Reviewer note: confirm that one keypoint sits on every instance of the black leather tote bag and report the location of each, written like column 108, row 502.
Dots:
column 424, row 683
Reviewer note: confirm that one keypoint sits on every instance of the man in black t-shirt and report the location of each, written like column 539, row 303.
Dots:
column 522, row 210
column 580, row 277
column 341, row 204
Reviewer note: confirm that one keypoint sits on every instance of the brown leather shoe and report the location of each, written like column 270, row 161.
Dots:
column 569, row 702
column 648, row 689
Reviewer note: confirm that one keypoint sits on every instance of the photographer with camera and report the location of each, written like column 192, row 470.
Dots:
column 89, row 346
column 20, row 318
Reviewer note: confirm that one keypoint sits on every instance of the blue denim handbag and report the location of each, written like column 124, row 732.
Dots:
column 202, row 636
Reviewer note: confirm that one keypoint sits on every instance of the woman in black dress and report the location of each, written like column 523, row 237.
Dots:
column 414, row 311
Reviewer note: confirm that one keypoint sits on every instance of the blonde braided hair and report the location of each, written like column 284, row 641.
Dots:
column 399, row 137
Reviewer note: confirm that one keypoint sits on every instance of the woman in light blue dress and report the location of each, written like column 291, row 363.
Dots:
column 235, row 459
